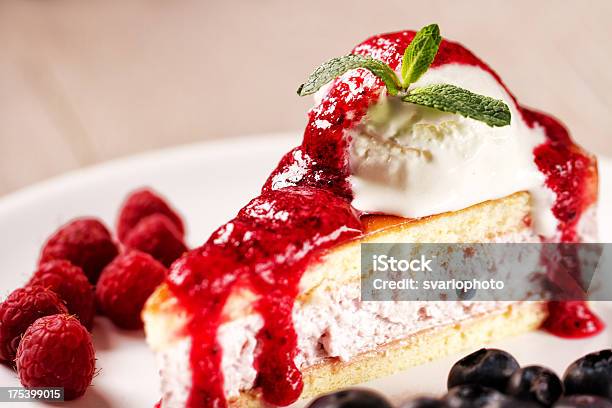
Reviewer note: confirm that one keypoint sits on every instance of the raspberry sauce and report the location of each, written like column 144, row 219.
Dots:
column 305, row 208
column 572, row 320
column 265, row 248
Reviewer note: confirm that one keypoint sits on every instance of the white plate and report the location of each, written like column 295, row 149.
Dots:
column 208, row 183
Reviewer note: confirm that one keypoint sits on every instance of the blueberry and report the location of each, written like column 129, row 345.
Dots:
column 583, row 401
column 590, row 375
column 424, row 402
column 487, row 367
column 477, row 396
column 534, row 383
column 351, row 398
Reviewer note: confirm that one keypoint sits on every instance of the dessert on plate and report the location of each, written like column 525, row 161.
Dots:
column 412, row 138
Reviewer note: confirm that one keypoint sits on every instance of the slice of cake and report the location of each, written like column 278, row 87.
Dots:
column 268, row 310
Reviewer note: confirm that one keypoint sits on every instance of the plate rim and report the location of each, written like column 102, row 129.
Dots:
column 74, row 177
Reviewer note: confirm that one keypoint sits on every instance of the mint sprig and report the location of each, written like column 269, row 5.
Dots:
column 420, row 53
column 416, row 60
column 338, row 66
column 451, row 98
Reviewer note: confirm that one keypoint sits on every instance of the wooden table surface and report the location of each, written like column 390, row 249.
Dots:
column 86, row 81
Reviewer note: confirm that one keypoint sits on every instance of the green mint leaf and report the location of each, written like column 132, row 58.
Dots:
column 338, row 66
column 420, row 54
column 450, row 98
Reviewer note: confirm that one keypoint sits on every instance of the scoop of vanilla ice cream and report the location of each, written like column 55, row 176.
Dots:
column 413, row 161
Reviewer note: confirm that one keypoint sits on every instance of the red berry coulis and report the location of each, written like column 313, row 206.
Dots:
column 572, row 320
column 304, row 208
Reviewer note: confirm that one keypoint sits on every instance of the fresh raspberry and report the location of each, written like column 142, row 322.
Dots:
column 140, row 204
column 71, row 285
column 20, row 309
column 56, row 351
column 157, row 236
column 85, row 242
column 125, row 285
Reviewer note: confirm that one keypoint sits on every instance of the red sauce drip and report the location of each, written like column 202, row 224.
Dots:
column 566, row 168
column 265, row 248
column 304, row 208
column 572, row 320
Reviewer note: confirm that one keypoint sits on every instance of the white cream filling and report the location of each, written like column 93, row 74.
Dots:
column 412, row 161
column 336, row 325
